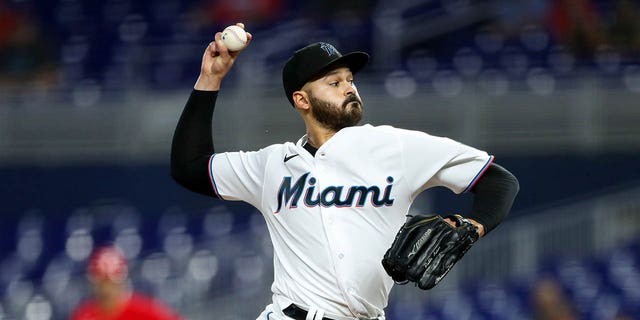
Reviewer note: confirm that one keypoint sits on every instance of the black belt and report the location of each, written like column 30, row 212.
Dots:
column 295, row 312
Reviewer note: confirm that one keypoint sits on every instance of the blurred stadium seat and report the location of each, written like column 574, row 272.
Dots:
column 186, row 269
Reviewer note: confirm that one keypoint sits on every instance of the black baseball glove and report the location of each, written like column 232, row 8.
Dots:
column 426, row 248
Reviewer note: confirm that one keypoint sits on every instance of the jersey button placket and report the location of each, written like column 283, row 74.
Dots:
column 330, row 221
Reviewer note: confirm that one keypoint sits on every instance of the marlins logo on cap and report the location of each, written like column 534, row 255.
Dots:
column 331, row 50
column 315, row 60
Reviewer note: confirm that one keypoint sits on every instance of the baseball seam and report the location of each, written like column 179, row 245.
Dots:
column 236, row 36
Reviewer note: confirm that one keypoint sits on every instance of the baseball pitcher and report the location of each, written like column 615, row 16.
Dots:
column 336, row 200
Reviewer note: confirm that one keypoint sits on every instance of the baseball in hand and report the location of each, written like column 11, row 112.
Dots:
column 234, row 38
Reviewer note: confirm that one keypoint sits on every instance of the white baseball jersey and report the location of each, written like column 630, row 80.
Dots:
column 333, row 216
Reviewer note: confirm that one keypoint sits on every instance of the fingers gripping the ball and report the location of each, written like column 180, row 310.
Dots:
column 217, row 60
column 234, row 37
column 230, row 41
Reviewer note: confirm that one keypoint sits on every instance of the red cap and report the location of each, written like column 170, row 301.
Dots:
column 108, row 262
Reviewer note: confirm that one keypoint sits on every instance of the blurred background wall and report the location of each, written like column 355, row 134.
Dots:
column 90, row 92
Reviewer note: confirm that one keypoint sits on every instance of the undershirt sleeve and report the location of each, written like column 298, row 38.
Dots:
column 192, row 144
column 494, row 193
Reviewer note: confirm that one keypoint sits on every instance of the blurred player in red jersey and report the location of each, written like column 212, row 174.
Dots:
column 113, row 299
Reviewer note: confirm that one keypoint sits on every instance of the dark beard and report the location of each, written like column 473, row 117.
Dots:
column 336, row 117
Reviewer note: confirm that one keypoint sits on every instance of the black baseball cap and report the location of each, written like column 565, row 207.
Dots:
column 313, row 61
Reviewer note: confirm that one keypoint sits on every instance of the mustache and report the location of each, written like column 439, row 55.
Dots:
column 351, row 99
